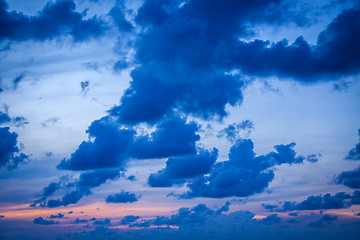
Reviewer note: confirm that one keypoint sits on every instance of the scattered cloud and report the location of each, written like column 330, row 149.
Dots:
column 56, row 19
column 123, row 197
column 42, row 221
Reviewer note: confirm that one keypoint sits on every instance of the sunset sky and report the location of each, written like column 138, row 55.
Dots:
column 167, row 119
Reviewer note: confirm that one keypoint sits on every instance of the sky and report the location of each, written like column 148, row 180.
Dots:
column 167, row 119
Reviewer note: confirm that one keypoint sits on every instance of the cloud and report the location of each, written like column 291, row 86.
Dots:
column 232, row 131
column 118, row 15
column 355, row 198
column 17, row 80
column 55, row 20
column 106, row 151
column 85, row 87
column 179, row 169
column 50, row 121
column 335, row 53
column 184, row 216
column 19, row 121
column 185, row 53
column 10, row 155
column 104, row 222
column 323, row 221
column 173, row 137
column 319, row 202
column 77, row 221
column 244, row 174
column 123, row 197
column 269, row 220
column 59, row 215
column 354, row 154
column 269, row 207
column 129, row 219
column 350, row 179
column 113, row 146
column 82, row 185
column 42, row 221
column 4, row 117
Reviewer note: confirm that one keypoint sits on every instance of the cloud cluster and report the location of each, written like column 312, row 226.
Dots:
column 10, row 154
column 323, row 221
column 244, row 174
column 55, row 19
column 350, row 178
column 42, row 221
column 82, row 187
column 122, row 197
column 323, row 202
column 178, row 169
column 186, row 52
column 183, row 216
column 232, row 131
column 113, row 146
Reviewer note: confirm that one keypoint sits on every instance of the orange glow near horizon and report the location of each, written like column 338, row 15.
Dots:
column 98, row 210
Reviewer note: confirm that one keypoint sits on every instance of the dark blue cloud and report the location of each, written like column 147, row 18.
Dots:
column 184, row 55
column 96, row 178
column 350, row 178
column 42, row 221
column 323, row 221
column 77, row 221
column 107, row 150
column 293, row 221
column 59, row 215
column 70, row 198
column 336, row 53
column 179, row 169
column 104, row 222
column 55, row 19
column 18, row 121
column 129, row 219
column 50, row 189
column 184, row 216
column 269, row 207
column 269, row 220
column 10, row 155
column 355, row 198
column 231, row 132
column 113, row 146
column 4, row 117
column 83, row 186
column 118, row 15
column 354, row 154
column 319, row 202
column 243, row 174
column 172, row 137
column 123, row 197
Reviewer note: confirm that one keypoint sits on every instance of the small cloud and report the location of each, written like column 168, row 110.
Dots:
column 42, row 221
column 19, row 121
column 85, row 87
column 59, row 215
column 78, row 221
column 129, row 219
column 16, row 81
column 49, row 154
column 123, row 197
column 50, row 121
